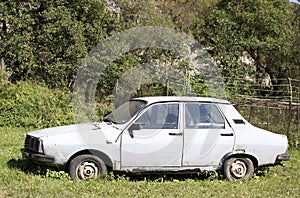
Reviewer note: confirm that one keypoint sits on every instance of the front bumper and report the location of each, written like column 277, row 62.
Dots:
column 38, row 157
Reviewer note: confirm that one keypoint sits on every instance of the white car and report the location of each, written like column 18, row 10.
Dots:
column 160, row 134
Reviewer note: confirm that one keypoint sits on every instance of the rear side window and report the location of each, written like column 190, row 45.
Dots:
column 203, row 116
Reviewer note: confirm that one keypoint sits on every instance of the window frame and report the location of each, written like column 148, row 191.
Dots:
column 163, row 125
column 203, row 125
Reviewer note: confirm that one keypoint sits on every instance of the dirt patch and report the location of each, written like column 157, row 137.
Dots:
column 1, row 194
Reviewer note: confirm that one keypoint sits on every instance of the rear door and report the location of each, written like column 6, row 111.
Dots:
column 207, row 135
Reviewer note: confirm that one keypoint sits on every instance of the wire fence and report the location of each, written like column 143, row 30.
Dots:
column 286, row 90
column 277, row 109
column 274, row 107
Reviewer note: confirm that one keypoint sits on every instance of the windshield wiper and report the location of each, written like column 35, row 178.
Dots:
column 107, row 119
column 97, row 126
column 110, row 122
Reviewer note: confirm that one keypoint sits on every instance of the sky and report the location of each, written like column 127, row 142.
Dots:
column 295, row 1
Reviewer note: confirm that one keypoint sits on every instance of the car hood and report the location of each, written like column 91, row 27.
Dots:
column 88, row 133
column 55, row 131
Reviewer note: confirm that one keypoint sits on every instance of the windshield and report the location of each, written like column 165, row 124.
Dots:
column 125, row 112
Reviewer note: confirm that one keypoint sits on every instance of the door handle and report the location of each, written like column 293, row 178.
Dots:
column 226, row 134
column 177, row 134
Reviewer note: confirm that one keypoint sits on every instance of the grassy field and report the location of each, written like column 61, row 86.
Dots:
column 21, row 179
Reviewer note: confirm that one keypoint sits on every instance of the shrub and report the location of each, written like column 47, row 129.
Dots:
column 26, row 104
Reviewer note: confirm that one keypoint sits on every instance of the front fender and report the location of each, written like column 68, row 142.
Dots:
column 103, row 156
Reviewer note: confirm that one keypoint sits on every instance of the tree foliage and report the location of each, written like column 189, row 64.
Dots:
column 295, row 53
column 45, row 40
column 260, row 30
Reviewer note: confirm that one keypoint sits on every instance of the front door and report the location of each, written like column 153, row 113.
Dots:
column 154, row 139
column 207, row 135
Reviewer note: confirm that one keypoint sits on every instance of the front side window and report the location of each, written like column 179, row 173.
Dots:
column 203, row 115
column 160, row 116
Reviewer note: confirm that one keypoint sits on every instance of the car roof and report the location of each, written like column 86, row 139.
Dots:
column 156, row 99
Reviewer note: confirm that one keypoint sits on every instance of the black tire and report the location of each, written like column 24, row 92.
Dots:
column 238, row 168
column 87, row 167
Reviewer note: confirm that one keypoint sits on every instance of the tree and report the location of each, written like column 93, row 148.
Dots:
column 183, row 13
column 258, row 29
column 142, row 13
column 295, row 60
column 45, row 40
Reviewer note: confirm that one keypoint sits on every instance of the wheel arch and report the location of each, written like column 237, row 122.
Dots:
column 104, row 157
column 239, row 155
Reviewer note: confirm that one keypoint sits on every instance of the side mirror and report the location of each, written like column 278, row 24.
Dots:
column 134, row 126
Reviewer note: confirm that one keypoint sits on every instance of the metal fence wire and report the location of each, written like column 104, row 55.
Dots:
column 275, row 112
column 272, row 107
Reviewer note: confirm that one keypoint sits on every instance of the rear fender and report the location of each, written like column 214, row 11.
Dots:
column 239, row 155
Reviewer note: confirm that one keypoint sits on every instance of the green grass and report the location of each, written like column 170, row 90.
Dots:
column 21, row 179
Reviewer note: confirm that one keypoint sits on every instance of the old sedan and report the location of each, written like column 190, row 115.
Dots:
column 160, row 134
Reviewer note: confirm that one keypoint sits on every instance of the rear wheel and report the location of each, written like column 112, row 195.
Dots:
column 87, row 167
column 238, row 168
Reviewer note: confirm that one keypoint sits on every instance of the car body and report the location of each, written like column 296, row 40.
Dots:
column 160, row 134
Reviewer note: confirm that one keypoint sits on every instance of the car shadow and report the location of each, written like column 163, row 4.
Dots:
column 162, row 177
column 29, row 167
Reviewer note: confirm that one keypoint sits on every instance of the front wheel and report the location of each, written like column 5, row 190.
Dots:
column 87, row 167
column 238, row 168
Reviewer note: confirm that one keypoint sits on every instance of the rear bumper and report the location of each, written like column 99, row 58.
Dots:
column 282, row 157
column 38, row 157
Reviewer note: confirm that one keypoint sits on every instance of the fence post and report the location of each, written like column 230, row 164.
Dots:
column 187, row 78
column 290, row 107
column 167, row 87
column 250, row 113
column 298, row 117
column 268, row 115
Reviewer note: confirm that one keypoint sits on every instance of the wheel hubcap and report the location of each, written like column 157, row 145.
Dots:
column 87, row 170
column 238, row 169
